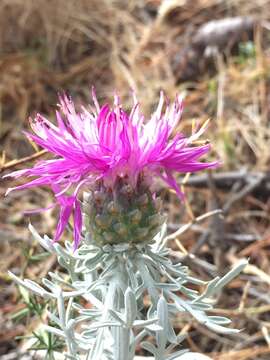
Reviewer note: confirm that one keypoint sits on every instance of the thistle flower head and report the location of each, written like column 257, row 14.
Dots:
column 103, row 144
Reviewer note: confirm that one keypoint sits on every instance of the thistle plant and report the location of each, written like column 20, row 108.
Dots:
column 102, row 174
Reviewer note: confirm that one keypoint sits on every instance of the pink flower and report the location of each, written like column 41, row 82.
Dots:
column 104, row 143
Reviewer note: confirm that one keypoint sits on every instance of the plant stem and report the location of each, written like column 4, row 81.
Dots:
column 121, row 335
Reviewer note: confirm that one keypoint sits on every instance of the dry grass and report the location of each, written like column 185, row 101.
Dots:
column 47, row 46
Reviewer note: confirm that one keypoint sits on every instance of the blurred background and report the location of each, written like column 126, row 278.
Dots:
column 216, row 53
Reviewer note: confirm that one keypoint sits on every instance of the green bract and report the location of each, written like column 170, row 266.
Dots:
column 122, row 215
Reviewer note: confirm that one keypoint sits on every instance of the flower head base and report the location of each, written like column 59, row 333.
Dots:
column 103, row 145
column 122, row 214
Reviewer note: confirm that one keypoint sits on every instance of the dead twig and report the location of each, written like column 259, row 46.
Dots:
column 225, row 180
column 13, row 163
column 253, row 184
